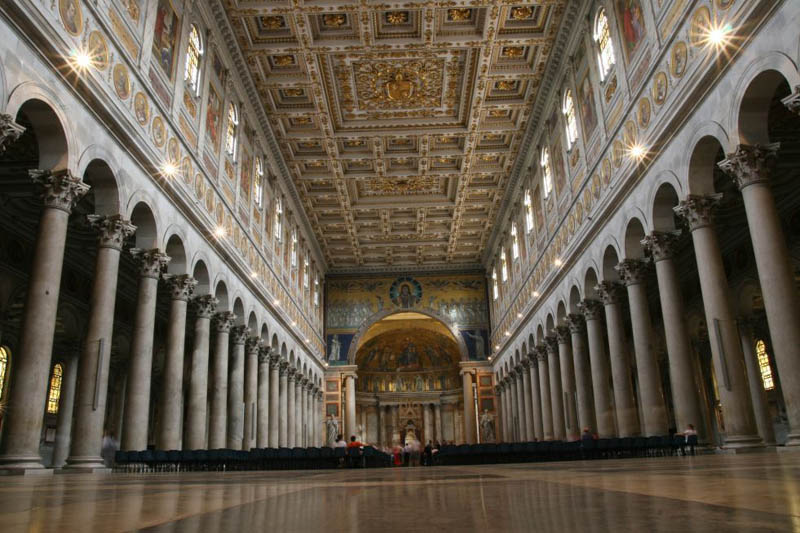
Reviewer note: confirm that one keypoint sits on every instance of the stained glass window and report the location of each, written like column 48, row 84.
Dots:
column 194, row 53
column 764, row 366
column 54, row 396
column 605, row 47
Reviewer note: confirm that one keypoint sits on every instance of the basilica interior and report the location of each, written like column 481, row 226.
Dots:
column 549, row 249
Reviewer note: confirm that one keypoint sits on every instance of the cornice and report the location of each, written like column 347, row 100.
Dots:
column 467, row 268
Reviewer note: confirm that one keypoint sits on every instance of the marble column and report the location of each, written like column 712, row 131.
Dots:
column 568, row 393
column 311, row 425
column 218, row 418
column 93, row 367
column 726, row 346
column 22, row 425
column 437, row 420
column 10, row 131
column 499, row 405
column 470, row 436
column 137, row 391
column 556, row 391
column 685, row 392
column 583, row 373
column 593, row 311
column 514, row 406
column 320, row 410
column 536, row 395
column 169, row 432
column 530, row 433
column 766, row 429
column 252, row 349
column 627, row 417
column 291, row 413
column 263, row 420
column 235, row 433
column 522, row 400
column 750, row 168
column 633, row 273
column 196, row 415
column 283, row 402
column 274, row 399
column 350, row 406
column 66, row 408
column 504, row 405
column 544, row 391
column 299, row 384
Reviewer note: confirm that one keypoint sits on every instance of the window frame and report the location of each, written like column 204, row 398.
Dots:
column 193, row 80
column 570, row 119
column 232, row 131
column 528, row 203
column 54, row 387
column 514, row 242
column 503, row 266
column 547, row 172
column 606, row 54
column 258, row 183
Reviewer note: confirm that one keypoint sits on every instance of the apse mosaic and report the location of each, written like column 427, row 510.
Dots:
column 458, row 300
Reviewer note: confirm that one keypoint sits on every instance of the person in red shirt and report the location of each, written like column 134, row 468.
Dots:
column 354, row 443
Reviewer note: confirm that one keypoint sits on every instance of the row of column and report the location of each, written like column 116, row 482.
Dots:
column 561, row 386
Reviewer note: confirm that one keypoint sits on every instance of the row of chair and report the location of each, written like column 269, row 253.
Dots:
column 255, row 459
column 657, row 446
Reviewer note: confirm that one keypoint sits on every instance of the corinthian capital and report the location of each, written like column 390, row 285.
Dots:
column 264, row 354
column 575, row 323
column 609, row 292
column 111, row 230
column 750, row 164
column 563, row 335
column 661, row 244
column 551, row 344
column 181, row 286
column 698, row 211
column 632, row 271
column 792, row 102
column 253, row 344
column 541, row 353
column 205, row 306
column 151, row 262
column 60, row 189
column 223, row 321
column 239, row 334
column 591, row 309
column 10, row 131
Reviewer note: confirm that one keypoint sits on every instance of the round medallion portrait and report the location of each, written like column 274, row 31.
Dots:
column 98, row 50
column 173, row 150
column 71, row 16
column 644, row 113
column 405, row 292
column 679, row 58
column 122, row 83
column 141, row 108
column 159, row 132
column 660, row 88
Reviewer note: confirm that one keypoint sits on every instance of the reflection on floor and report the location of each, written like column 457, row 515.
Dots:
column 759, row 492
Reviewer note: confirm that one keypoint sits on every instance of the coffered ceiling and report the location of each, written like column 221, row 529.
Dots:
column 399, row 122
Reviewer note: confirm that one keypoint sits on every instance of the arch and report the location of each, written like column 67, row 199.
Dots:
column 146, row 235
column 561, row 313
column 200, row 273
column 539, row 334
column 610, row 260
column 746, row 293
column 238, row 310
column 524, row 349
column 515, row 358
column 550, row 324
column 754, row 93
column 264, row 335
column 275, row 342
column 97, row 172
column 283, row 351
column 46, row 115
column 252, row 323
column 3, row 86
column 380, row 315
column 221, row 294
column 574, row 299
column 589, row 283
column 177, row 253
column 634, row 233
column 703, row 163
column 665, row 199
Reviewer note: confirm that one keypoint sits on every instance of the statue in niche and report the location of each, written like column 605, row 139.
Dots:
column 480, row 352
column 332, row 427
column 398, row 383
column 419, row 383
column 336, row 348
column 487, row 426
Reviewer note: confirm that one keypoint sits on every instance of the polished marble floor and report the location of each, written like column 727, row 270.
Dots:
column 758, row 492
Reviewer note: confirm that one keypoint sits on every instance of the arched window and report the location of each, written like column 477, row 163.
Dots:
column 547, row 175
column 258, row 183
column 528, row 211
column 503, row 266
column 569, row 119
column 194, row 53
column 316, row 290
column 278, row 229
column 294, row 248
column 605, row 47
column 54, row 396
column 305, row 272
column 495, row 288
column 514, row 241
column 764, row 366
column 5, row 357
column 231, row 134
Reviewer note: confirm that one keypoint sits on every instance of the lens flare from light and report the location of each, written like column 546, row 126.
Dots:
column 81, row 60
column 219, row 232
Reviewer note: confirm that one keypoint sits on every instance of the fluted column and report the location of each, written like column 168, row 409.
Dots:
column 750, row 168
column 252, row 348
column 766, row 429
column 10, row 131
column 685, row 392
column 291, row 413
column 66, row 408
column 274, row 400
column 137, row 391
column 196, row 415
column 514, row 406
column 350, row 405
column 235, row 436
column 169, row 432
column 283, row 402
column 568, row 393
column 536, row 395
column 544, row 391
column 726, row 346
column 263, row 419
column 522, row 400
column 93, row 367
column 22, row 425
column 583, row 375
column 218, row 419
column 530, row 433
column 627, row 417
column 592, row 311
column 654, row 413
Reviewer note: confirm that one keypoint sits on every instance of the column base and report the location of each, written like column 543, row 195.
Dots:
column 83, row 470
column 25, row 464
column 787, row 449
column 793, row 440
column 744, row 443
column 85, row 464
column 26, row 472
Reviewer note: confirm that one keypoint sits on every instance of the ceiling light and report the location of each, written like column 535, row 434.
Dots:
column 497, row 347
column 219, row 232
column 294, row 323
column 718, row 36
column 81, row 60
column 519, row 315
column 276, row 302
column 557, row 262
column 508, row 333
column 169, row 169
column 535, row 294
column 253, row 274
